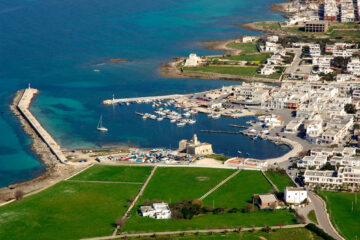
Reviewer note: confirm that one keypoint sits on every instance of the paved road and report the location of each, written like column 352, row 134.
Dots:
column 294, row 65
column 322, row 215
column 189, row 231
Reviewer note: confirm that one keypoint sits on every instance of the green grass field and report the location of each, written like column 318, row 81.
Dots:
column 173, row 184
column 177, row 184
column 240, row 71
column 312, row 216
column 239, row 190
column 344, row 212
column 280, row 234
column 259, row 57
column 280, row 180
column 69, row 210
column 218, row 157
column 246, row 48
column 114, row 173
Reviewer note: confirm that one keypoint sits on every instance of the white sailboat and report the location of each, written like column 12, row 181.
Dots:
column 100, row 127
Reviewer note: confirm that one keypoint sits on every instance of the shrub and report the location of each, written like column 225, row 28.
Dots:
column 206, row 209
column 219, row 210
column 248, row 208
column 19, row 195
column 266, row 229
column 233, row 210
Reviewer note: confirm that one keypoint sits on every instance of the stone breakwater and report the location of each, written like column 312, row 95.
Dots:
column 54, row 171
column 23, row 107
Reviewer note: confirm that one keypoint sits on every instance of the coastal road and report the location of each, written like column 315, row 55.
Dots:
column 322, row 215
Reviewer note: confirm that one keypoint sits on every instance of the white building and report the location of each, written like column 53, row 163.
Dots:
column 270, row 47
column 192, row 61
column 157, row 211
column 295, row 195
column 345, row 78
column 313, row 131
column 322, row 177
column 345, row 175
column 273, row 39
column 312, row 161
column 267, row 70
column 354, row 66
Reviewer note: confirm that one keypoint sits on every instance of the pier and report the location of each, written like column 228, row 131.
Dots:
column 23, row 107
column 141, row 99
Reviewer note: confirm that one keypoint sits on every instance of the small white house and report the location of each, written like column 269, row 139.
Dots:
column 267, row 70
column 273, row 39
column 192, row 61
column 157, row 211
column 295, row 195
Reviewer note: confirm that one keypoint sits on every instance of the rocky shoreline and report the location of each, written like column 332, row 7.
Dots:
column 54, row 171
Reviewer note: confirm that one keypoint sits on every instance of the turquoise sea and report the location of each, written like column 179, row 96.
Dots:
column 56, row 44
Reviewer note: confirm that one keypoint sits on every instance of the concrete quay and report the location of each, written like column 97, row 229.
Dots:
column 23, row 107
column 143, row 99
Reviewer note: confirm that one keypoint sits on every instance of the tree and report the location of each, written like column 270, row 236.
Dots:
column 19, row 195
column 350, row 108
column 327, row 166
column 266, row 229
column 248, row 208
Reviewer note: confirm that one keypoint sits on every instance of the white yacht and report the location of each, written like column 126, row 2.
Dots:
column 100, row 127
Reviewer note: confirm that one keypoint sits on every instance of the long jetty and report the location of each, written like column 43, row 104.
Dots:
column 23, row 107
column 143, row 99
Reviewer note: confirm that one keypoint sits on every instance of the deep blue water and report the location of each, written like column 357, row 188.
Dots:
column 56, row 44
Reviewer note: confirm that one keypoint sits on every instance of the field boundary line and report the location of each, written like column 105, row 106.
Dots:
column 217, row 230
column 111, row 182
column 135, row 200
column 220, row 184
column 271, row 183
column 82, row 170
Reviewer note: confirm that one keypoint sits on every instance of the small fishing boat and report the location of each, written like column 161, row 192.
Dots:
column 216, row 116
column 187, row 114
column 181, row 124
column 100, row 127
column 192, row 121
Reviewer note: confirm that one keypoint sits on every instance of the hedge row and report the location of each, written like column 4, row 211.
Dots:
column 312, row 227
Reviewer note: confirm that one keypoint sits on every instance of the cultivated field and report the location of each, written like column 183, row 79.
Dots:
column 344, row 209
column 72, row 209
column 176, row 184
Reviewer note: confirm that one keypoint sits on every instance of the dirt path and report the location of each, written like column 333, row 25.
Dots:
column 136, row 199
column 220, row 184
column 218, row 230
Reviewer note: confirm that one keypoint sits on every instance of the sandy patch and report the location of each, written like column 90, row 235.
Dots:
column 202, row 179
column 207, row 162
